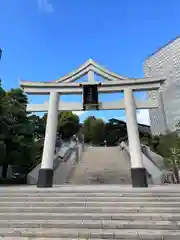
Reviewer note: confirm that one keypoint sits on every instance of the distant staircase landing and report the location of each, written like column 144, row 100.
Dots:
column 102, row 165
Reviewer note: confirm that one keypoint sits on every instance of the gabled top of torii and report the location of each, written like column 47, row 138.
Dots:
column 90, row 67
column 113, row 82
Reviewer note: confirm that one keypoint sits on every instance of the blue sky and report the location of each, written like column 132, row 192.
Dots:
column 45, row 39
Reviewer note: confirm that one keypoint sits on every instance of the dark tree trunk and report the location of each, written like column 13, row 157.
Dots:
column 4, row 170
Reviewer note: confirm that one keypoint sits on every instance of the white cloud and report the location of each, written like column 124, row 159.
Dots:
column 78, row 113
column 143, row 117
column 104, row 119
column 45, row 6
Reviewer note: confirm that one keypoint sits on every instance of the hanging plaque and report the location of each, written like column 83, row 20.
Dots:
column 90, row 97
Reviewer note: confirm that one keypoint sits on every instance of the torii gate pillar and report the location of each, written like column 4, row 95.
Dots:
column 138, row 172
column 45, row 178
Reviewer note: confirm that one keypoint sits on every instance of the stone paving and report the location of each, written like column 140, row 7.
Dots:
column 105, row 165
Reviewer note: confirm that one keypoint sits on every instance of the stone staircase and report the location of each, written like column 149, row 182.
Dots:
column 90, row 212
column 102, row 165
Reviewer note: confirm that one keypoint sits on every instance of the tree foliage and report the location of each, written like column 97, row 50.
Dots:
column 16, row 135
column 98, row 131
column 39, row 126
column 115, row 131
column 68, row 124
column 168, row 146
column 22, row 134
column 87, row 128
column 94, row 130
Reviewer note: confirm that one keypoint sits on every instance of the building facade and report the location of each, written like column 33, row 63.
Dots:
column 165, row 62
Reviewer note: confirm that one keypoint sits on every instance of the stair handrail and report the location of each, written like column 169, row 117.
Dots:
column 67, row 154
column 40, row 158
column 144, row 152
column 147, row 155
column 127, row 151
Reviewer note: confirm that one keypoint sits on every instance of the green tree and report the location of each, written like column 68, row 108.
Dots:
column 94, row 130
column 68, row 124
column 98, row 132
column 39, row 126
column 2, row 145
column 87, row 127
column 16, row 135
column 168, row 146
column 178, row 128
column 115, row 131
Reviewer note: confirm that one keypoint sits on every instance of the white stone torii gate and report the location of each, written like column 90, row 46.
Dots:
column 112, row 83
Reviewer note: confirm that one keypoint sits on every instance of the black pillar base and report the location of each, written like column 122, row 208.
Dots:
column 45, row 178
column 139, row 177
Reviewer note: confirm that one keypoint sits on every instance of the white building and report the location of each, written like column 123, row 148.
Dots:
column 165, row 62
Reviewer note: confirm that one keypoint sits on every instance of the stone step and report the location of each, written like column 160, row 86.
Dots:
column 90, row 194
column 87, row 199
column 46, row 191
column 140, row 209
column 93, row 188
column 90, row 212
column 91, row 233
column 90, row 216
column 91, row 224
column 90, row 204
column 71, row 189
column 40, row 238
column 37, row 238
column 93, row 195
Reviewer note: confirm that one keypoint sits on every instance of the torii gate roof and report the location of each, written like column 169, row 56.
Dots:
column 113, row 82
